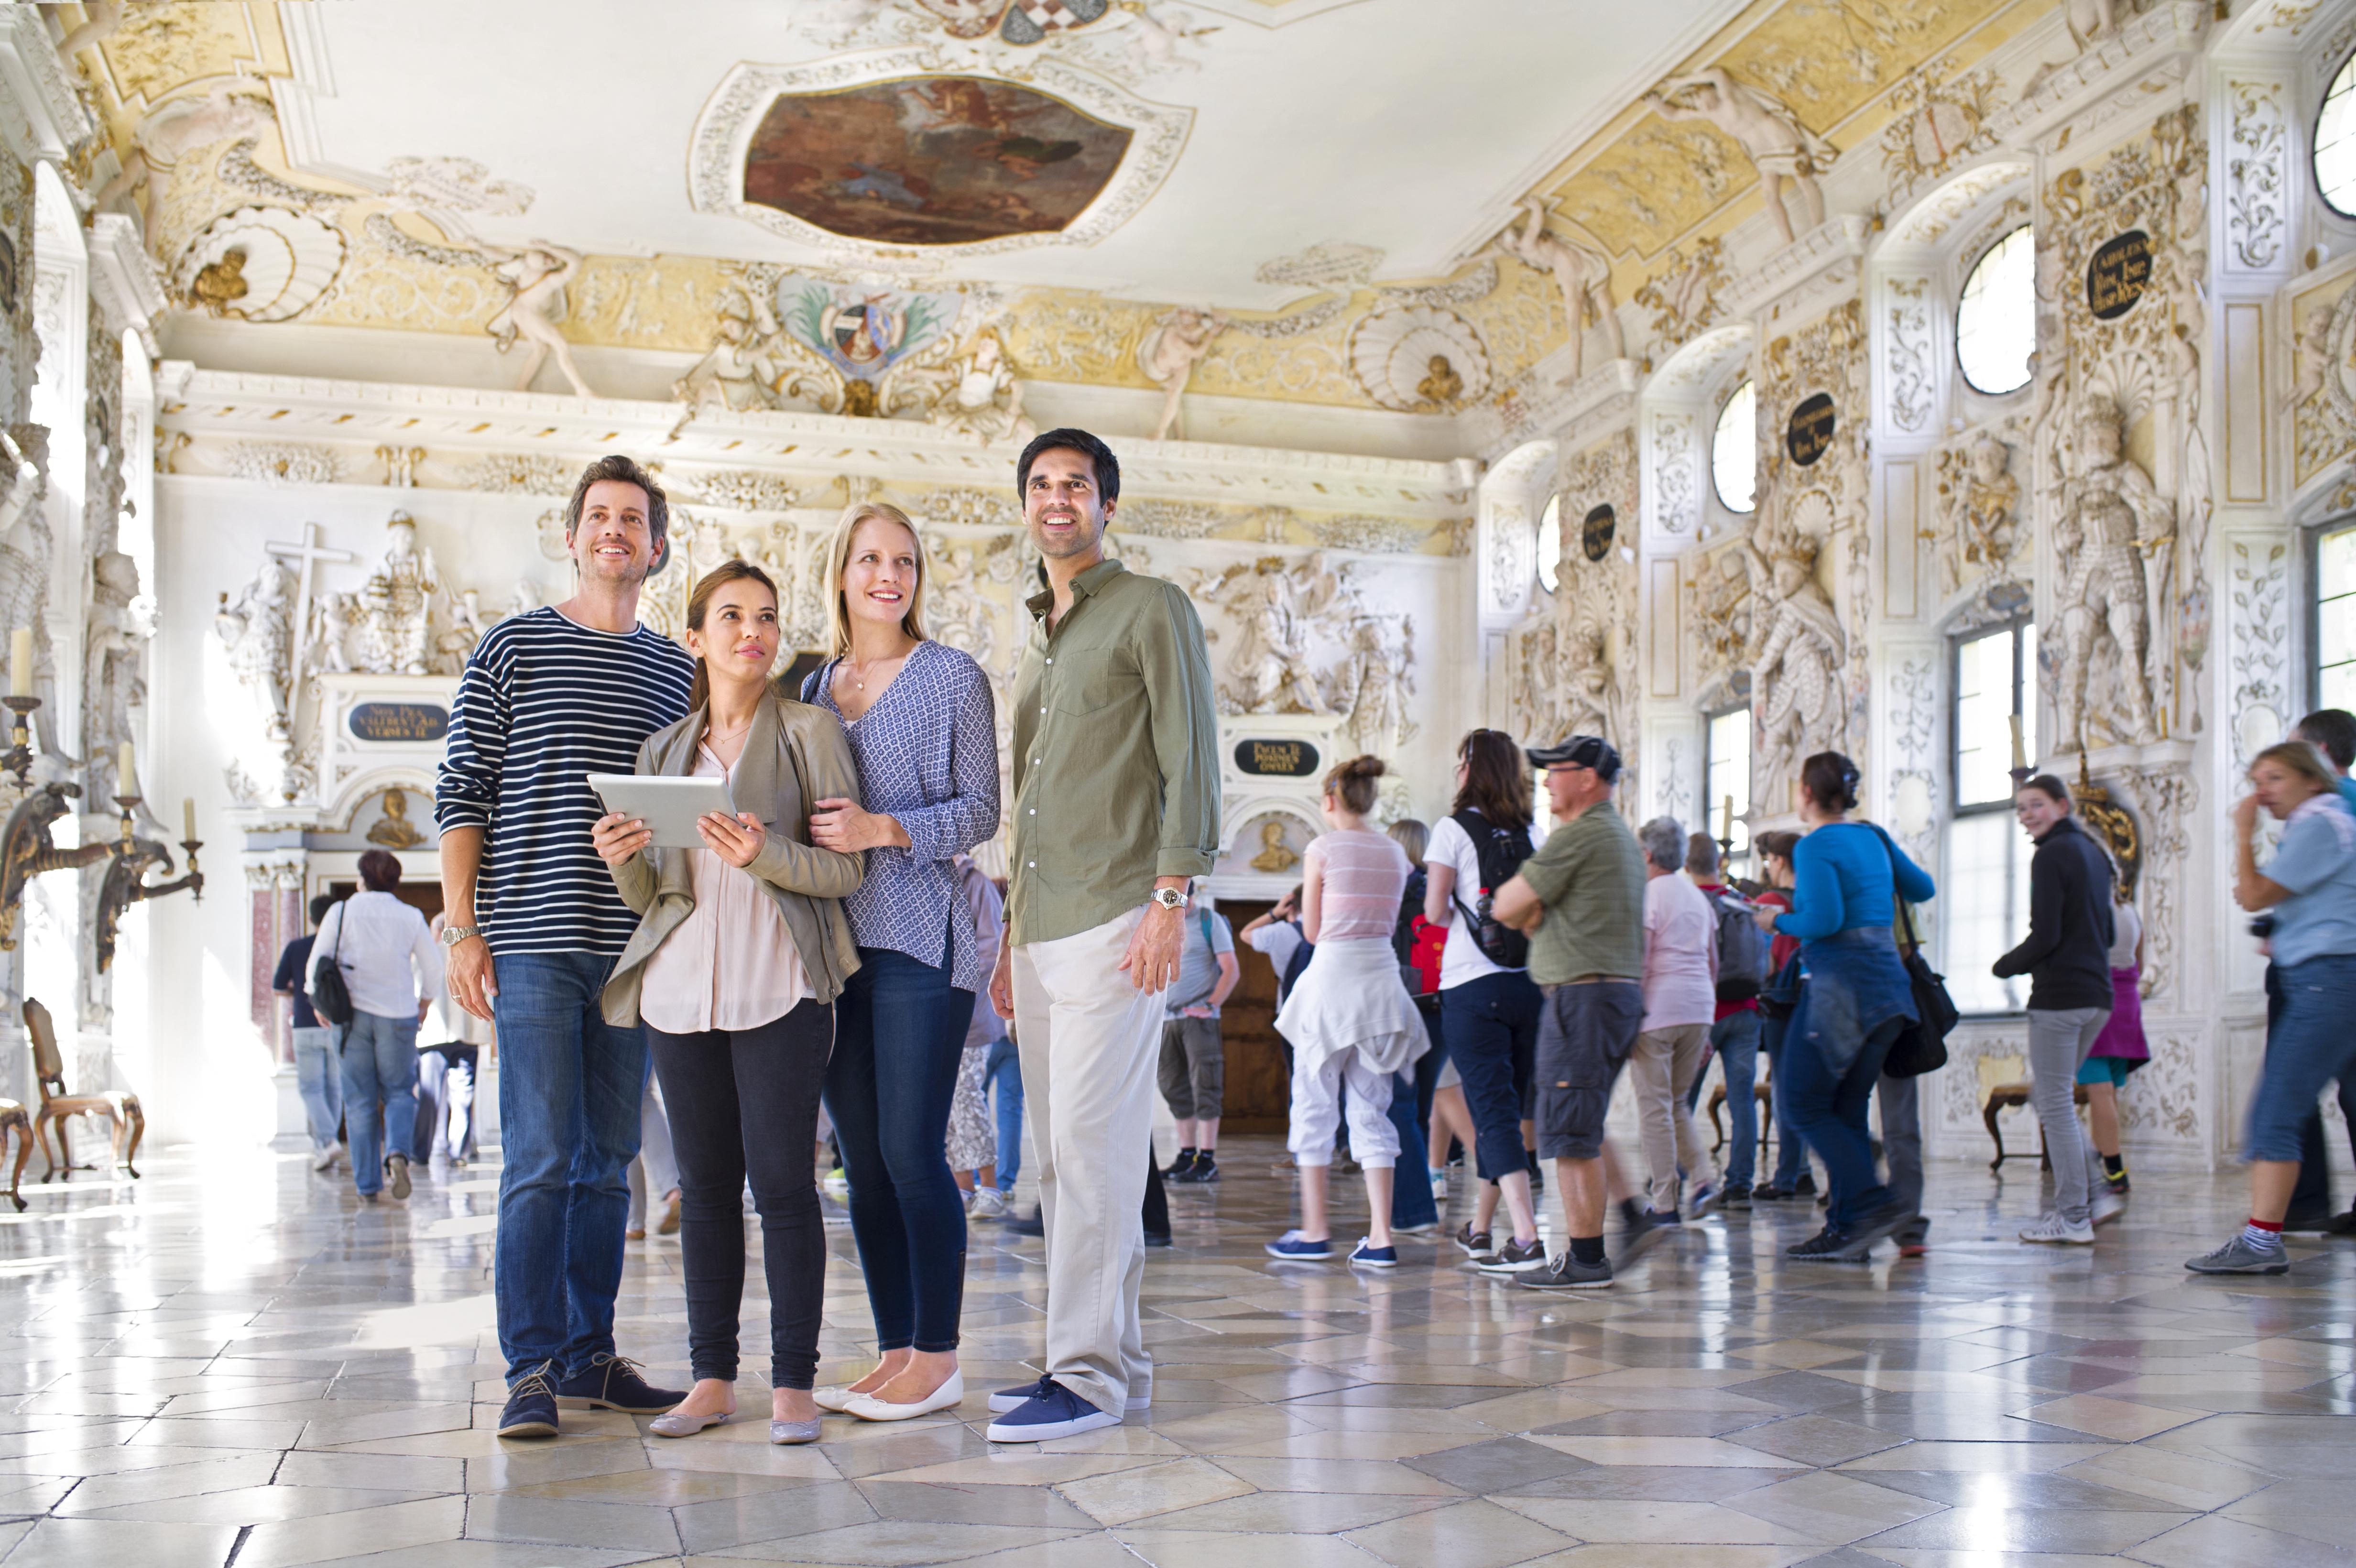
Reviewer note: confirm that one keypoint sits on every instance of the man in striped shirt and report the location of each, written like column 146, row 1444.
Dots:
column 534, row 927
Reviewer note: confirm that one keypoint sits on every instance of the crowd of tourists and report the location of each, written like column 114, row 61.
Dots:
column 825, row 968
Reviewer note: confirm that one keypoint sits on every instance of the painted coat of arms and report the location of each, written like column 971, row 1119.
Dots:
column 863, row 333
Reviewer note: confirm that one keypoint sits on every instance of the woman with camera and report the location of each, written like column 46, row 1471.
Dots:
column 2307, row 891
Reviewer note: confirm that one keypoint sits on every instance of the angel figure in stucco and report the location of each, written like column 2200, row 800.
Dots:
column 984, row 401
column 1784, row 151
column 1173, row 347
column 258, row 631
column 536, row 277
column 2111, row 533
column 1375, row 684
column 1583, row 277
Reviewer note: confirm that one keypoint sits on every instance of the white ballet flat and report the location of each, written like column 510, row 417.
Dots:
column 837, row 1399
column 867, row 1407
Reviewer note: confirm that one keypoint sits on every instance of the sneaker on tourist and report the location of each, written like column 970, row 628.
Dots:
column 1768, row 1192
column 1827, row 1245
column 1738, row 1195
column 2053, row 1229
column 1293, row 1245
column 988, row 1203
column 1664, row 1217
column 1806, row 1186
column 1472, row 1244
column 2108, row 1206
column 1567, row 1273
column 2242, row 1256
column 2344, row 1224
column 324, row 1157
column 1179, row 1167
column 1015, row 1398
column 1638, row 1232
column 2117, row 1180
column 1364, row 1255
column 1160, row 1239
column 1205, row 1169
column 1706, row 1197
column 1515, row 1257
column 531, row 1409
column 396, row 1166
column 1056, row 1411
column 614, row 1383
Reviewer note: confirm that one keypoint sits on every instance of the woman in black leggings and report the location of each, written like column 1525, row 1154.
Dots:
column 741, row 950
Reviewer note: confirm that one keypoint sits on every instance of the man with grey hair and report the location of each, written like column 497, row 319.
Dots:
column 1680, row 1002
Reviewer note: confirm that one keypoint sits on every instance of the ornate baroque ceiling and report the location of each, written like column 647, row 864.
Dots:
column 1329, row 176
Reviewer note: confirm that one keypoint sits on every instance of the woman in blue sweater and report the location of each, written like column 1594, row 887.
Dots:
column 1854, row 1001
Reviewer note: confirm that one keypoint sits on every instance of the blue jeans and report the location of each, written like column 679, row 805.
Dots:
column 1412, row 1201
column 2309, row 1045
column 1004, row 1069
column 569, row 1086
column 380, row 1057
column 1791, row 1149
column 319, row 1079
column 1829, row 1103
column 1490, row 1023
column 1735, row 1037
column 899, row 1030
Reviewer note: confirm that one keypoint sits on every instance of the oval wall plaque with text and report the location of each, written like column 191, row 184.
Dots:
column 2118, row 274
column 1277, row 759
column 1810, row 433
column 398, row 723
column 1595, row 533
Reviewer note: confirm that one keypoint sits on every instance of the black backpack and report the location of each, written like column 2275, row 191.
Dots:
column 1742, row 950
column 1500, row 854
column 330, row 998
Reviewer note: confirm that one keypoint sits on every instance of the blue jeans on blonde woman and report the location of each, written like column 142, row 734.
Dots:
column 900, row 1031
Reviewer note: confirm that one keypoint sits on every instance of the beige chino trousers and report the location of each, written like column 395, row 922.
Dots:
column 1663, row 1071
column 1089, row 1041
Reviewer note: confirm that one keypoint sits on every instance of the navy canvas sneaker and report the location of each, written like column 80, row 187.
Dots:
column 1008, row 1399
column 1055, row 1412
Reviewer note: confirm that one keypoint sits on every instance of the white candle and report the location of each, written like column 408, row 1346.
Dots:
column 125, row 778
column 2019, row 752
column 188, row 819
column 20, row 662
column 1726, row 820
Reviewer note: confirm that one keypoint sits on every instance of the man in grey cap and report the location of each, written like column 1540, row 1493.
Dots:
column 1581, row 899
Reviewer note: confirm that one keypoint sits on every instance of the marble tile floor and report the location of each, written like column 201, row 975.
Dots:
column 233, row 1361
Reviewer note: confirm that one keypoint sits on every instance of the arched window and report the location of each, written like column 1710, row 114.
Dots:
column 2335, row 142
column 1726, row 772
column 1734, row 451
column 1984, row 900
column 2335, row 628
column 1550, row 544
column 1996, row 321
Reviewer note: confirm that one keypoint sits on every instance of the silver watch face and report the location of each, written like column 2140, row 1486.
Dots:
column 1168, row 898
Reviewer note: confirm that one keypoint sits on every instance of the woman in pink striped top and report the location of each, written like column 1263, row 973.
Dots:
column 1349, row 1019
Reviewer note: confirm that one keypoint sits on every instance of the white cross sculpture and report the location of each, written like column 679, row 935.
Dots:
column 310, row 553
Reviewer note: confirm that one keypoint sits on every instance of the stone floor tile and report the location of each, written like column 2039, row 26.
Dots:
column 1310, row 1512
column 1495, row 1466
column 1710, row 1452
column 1475, row 1535
column 1039, row 1508
column 724, row 1524
column 1337, row 1475
column 2122, row 1421
column 1978, row 1456
column 254, row 1504
column 1224, row 1549
column 2089, row 1531
column 1619, row 1554
column 1098, row 1549
column 288, row 1543
column 1128, row 1496
column 571, row 1522
column 905, row 1543
column 1653, row 1522
column 106, row 1491
column 117, row 1543
column 2214, row 1540
column 1826, row 1507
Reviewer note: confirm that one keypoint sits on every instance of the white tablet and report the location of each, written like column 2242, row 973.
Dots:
column 668, row 805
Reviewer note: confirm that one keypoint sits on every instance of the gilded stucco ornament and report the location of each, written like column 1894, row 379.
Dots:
column 260, row 263
column 1418, row 359
column 1574, row 669
column 1582, row 275
column 1780, row 147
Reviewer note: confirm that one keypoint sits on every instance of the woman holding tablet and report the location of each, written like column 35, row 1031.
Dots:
column 920, row 721
column 741, row 952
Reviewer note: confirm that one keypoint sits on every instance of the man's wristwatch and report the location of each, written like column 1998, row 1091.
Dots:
column 453, row 935
column 1170, row 897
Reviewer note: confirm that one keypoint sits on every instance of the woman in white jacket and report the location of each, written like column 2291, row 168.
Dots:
column 1350, row 1019
column 392, row 969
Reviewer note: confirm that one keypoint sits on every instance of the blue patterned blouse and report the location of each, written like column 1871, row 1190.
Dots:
column 928, row 754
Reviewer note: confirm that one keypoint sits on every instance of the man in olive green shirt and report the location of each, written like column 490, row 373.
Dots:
column 1116, row 808
column 1581, row 899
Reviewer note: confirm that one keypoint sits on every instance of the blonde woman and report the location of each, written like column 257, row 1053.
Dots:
column 919, row 719
column 740, row 951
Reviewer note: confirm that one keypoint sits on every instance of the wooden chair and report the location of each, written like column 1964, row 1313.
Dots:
column 118, row 1107
column 1765, row 1095
column 2004, row 1097
column 13, row 1118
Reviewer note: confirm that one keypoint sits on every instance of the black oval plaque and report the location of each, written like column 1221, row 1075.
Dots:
column 1277, row 759
column 2118, row 274
column 1810, row 433
column 406, row 723
column 1595, row 533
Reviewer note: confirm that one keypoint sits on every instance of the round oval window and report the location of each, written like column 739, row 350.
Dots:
column 1551, row 545
column 1996, row 321
column 2335, row 142
column 1734, row 451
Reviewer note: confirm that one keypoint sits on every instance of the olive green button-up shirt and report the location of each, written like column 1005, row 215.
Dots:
column 1116, row 755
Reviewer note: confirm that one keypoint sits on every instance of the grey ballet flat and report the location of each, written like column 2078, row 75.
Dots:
column 793, row 1431
column 674, row 1424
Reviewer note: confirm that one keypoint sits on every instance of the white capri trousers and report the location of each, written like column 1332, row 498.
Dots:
column 1317, row 1110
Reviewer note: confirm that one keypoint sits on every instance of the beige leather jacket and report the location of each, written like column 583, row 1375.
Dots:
column 793, row 756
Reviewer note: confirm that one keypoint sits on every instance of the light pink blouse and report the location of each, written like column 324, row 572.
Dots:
column 1365, row 874
column 731, row 964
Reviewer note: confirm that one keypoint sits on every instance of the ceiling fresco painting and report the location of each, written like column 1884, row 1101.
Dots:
column 944, row 160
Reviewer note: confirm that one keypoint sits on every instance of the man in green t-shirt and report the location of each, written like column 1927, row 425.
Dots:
column 1581, row 899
